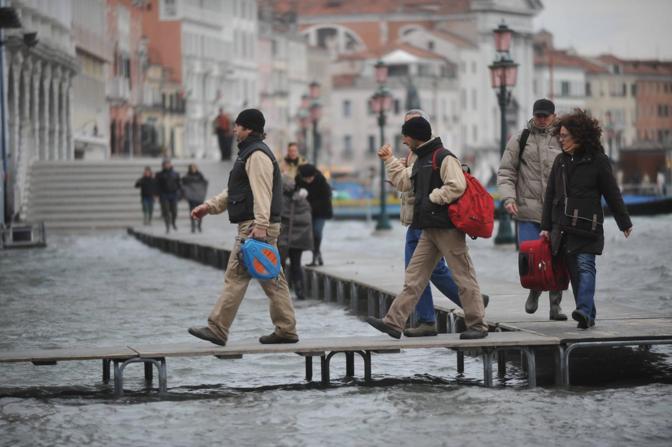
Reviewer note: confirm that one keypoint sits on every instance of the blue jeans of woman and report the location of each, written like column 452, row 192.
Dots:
column 582, row 275
column 147, row 208
column 441, row 278
column 318, row 228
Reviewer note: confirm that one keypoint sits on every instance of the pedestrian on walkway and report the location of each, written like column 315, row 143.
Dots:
column 522, row 178
column 254, row 202
column 222, row 128
column 195, row 187
column 289, row 165
column 399, row 174
column 148, row 190
column 296, row 234
column 319, row 197
column 572, row 217
column 434, row 189
column 169, row 186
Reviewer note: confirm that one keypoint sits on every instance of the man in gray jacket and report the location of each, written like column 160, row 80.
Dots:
column 522, row 178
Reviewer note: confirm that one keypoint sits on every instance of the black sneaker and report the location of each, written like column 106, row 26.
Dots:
column 473, row 334
column 382, row 327
column 204, row 333
column 584, row 321
column 273, row 339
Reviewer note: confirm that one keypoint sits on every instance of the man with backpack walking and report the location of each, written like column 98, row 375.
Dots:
column 522, row 178
column 437, row 180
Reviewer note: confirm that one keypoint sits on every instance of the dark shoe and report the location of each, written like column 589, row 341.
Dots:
column 274, row 338
column 319, row 259
column 382, row 327
column 473, row 334
column 422, row 330
column 592, row 323
column 174, row 227
column 486, row 300
column 532, row 302
column 584, row 321
column 204, row 333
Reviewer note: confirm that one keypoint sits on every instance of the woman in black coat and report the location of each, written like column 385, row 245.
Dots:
column 572, row 216
column 319, row 197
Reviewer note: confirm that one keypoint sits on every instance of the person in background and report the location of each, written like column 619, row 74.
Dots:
column 572, row 216
column 290, row 164
column 147, row 185
column 319, row 197
column 194, row 187
column 222, row 127
column 522, row 178
column 168, row 183
column 296, row 234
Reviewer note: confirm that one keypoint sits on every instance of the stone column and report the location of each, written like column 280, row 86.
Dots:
column 69, row 145
column 55, row 149
column 46, row 115
column 24, row 149
column 14, row 121
column 37, row 142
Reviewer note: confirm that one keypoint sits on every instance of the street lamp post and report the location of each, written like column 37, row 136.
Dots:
column 503, row 73
column 380, row 102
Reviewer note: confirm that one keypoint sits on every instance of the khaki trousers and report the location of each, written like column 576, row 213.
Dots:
column 236, row 280
column 434, row 243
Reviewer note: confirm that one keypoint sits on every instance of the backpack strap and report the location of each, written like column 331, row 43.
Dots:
column 522, row 142
column 435, row 154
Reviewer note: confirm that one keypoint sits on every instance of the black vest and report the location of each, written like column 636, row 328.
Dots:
column 241, row 199
column 425, row 179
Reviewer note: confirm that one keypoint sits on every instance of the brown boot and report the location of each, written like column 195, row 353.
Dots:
column 422, row 330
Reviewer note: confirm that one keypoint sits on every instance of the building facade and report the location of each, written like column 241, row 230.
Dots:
column 37, row 81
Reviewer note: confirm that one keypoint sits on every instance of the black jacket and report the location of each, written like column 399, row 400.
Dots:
column 319, row 196
column 589, row 178
column 168, row 182
column 147, row 186
column 425, row 179
column 241, row 198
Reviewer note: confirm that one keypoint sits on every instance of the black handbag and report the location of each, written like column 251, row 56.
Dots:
column 579, row 215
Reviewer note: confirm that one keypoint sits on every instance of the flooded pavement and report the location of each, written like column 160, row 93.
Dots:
column 107, row 289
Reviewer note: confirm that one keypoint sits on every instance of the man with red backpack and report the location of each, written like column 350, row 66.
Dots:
column 437, row 180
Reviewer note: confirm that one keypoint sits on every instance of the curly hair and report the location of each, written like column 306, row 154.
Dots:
column 584, row 129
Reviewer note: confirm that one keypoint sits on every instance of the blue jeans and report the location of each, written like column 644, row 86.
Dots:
column 528, row 231
column 441, row 278
column 582, row 274
column 318, row 228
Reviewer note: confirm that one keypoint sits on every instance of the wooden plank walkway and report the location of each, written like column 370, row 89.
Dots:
column 366, row 284
column 154, row 355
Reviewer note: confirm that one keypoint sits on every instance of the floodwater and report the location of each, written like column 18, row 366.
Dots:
column 108, row 289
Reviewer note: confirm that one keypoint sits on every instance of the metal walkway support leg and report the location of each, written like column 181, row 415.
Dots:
column 349, row 364
column 559, row 366
column 324, row 360
column 531, row 367
column 451, row 323
column 163, row 376
column 118, row 378
column 149, row 372
column 106, row 370
column 460, row 362
column 487, row 367
column 309, row 368
column 501, row 364
column 366, row 355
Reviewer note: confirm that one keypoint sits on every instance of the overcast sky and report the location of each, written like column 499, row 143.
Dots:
column 627, row 28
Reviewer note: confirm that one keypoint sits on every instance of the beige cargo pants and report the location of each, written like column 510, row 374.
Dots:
column 434, row 243
column 236, row 280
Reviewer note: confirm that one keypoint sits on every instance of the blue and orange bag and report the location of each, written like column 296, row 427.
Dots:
column 261, row 259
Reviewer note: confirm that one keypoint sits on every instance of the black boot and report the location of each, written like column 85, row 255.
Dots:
column 298, row 289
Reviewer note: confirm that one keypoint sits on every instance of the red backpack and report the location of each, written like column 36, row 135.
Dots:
column 474, row 212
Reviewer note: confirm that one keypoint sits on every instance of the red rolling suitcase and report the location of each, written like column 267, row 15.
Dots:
column 538, row 269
